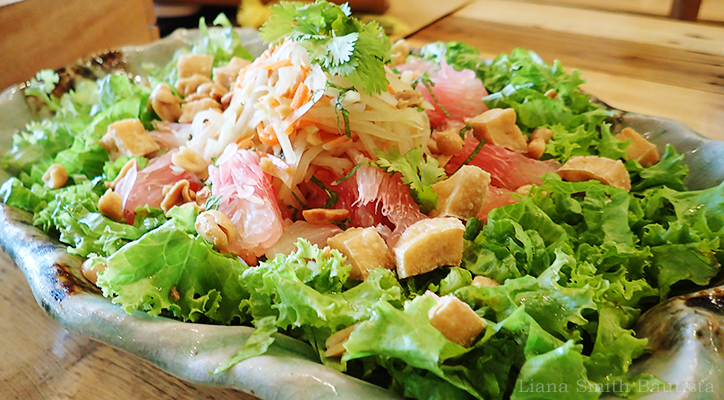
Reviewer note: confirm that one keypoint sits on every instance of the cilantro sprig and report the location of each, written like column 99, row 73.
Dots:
column 335, row 40
column 42, row 86
column 418, row 172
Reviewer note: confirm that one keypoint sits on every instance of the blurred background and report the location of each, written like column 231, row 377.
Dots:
column 658, row 57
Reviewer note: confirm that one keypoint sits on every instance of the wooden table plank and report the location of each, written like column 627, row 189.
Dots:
column 417, row 14
column 700, row 110
column 44, row 361
column 656, row 49
column 37, row 34
column 650, row 7
column 712, row 10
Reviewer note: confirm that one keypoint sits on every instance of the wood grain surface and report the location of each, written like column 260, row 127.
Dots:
column 37, row 34
column 42, row 361
column 651, row 65
column 709, row 10
column 418, row 14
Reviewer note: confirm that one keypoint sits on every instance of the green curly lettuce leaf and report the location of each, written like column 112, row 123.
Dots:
column 170, row 270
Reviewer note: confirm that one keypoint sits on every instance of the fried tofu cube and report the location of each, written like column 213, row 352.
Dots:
column 449, row 142
column 128, row 138
column 190, row 109
column 428, row 244
column 364, row 248
column 226, row 75
column 484, row 281
column 455, row 320
column 497, row 126
column 189, row 85
column 605, row 170
column 195, row 64
column 462, row 195
column 640, row 149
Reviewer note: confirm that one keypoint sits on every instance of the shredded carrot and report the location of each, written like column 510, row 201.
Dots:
column 278, row 64
column 244, row 143
column 242, row 72
column 339, row 141
column 271, row 101
column 267, row 135
column 390, row 90
column 301, row 96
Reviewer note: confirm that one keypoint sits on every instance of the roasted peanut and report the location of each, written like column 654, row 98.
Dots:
column 640, row 149
column 55, row 177
column 484, row 281
column 324, row 215
column 190, row 161
column 215, row 228
column 164, row 103
column 173, row 294
column 408, row 98
column 176, row 194
column 335, row 343
column 213, row 90
column 122, row 173
column 400, row 51
column 226, row 100
column 449, row 142
column 536, row 148
column 524, row 190
column 542, row 133
column 190, row 109
column 111, row 205
column 186, row 86
column 551, row 93
column 90, row 270
column 201, row 196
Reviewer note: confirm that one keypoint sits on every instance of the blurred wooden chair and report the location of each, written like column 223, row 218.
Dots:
column 687, row 10
column 38, row 34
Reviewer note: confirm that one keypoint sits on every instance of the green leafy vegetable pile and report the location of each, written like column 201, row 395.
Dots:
column 578, row 262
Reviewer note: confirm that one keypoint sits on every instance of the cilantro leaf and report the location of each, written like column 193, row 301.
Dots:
column 419, row 172
column 339, row 43
column 42, row 86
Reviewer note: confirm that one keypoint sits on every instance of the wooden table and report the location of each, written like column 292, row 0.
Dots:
column 639, row 63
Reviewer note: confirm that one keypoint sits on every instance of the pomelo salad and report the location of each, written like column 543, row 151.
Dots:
column 440, row 225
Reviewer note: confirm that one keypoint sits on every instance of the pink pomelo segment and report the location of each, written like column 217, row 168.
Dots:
column 507, row 169
column 138, row 188
column 248, row 199
column 459, row 92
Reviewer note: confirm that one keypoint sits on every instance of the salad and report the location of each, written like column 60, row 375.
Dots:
column 441, row 225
